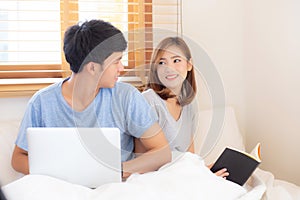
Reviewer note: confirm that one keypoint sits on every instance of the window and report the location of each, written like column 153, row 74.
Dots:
column 31, row 33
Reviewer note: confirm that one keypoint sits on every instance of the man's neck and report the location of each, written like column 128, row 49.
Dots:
column 78, row 92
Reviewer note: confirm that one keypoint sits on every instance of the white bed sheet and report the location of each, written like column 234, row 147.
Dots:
column 277, row 189
column 186, row 177
column 180, row 176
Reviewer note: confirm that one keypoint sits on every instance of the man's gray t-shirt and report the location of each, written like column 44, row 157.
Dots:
column 178, row 133
column 122, row 106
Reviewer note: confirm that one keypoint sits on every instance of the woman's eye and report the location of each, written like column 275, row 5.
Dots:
column 161, row 63
column 177, row 60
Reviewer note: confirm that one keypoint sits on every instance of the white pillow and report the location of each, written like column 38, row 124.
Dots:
column 229, row 135
column 8, row 134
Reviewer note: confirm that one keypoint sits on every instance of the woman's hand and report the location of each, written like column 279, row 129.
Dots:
column 222, row 172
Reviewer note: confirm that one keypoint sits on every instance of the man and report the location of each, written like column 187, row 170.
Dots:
column 92, row 97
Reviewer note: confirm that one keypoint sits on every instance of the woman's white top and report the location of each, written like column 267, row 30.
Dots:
column 179, row 133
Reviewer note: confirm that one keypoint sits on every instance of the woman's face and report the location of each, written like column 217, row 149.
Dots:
column 172, row 68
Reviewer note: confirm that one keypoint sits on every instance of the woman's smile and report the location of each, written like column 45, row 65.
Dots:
column 171, row 76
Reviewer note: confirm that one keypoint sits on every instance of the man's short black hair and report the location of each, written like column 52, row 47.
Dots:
column 92, row 41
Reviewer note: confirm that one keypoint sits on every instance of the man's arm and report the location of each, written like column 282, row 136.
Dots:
column 19, row 160
column 157, row 153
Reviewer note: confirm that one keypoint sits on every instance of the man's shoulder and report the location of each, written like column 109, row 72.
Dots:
column 120, row 84
column 122, row 87
column 47, row 91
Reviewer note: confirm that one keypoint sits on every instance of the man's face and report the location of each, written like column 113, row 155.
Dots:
column 112, row 67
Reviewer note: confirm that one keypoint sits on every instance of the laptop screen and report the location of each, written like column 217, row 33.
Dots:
column 85, row 156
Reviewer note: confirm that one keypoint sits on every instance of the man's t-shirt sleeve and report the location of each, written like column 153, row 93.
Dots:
column 140, row 115
column 30, row 119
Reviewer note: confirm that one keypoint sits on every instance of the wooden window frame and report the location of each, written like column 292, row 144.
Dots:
column 25, row 80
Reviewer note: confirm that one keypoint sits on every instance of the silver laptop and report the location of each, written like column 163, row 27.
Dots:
column 86, row 156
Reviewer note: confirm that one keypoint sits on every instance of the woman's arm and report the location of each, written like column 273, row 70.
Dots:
column 191, row 147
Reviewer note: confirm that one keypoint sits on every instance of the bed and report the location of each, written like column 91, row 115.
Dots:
column 186, row 177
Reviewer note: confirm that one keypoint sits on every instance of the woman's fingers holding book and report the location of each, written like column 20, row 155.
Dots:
column 222, row 173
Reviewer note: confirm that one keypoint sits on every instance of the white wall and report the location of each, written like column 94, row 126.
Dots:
column 217, row 26
column 12, row 108
column 255, row 45
column 272, row 67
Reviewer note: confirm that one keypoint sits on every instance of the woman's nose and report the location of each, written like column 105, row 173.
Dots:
column 169, row 68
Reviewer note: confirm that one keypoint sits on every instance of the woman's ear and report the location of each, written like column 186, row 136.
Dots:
column 190, row 65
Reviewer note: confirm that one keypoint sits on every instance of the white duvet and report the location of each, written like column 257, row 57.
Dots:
column 186, row 177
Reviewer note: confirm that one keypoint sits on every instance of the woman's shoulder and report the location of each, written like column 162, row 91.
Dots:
column 149, row 94
column 191, row 109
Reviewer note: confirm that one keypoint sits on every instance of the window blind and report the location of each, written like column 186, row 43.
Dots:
column 31, row 34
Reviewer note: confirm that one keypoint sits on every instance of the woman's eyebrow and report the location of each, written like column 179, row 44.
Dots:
column 176, row 56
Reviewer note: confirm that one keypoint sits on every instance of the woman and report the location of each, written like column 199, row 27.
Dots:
column 171, row 91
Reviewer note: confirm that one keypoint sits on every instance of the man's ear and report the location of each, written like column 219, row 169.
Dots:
column 91, row 67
